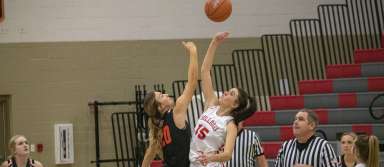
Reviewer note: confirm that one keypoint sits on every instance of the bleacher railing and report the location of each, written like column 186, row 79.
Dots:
column 285, row 59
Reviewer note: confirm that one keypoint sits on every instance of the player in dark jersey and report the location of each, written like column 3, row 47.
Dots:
column 169, row 131
column 20, row 157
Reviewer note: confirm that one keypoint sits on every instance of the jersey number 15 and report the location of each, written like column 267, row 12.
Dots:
column 201, row 131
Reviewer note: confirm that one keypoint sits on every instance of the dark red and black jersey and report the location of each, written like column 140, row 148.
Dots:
column 175, row 143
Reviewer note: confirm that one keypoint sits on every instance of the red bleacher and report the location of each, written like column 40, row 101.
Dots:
column 343, row 71
column 369, row 55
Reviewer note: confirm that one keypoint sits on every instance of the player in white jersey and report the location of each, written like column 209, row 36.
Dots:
column 210, row 131
column 215, row 132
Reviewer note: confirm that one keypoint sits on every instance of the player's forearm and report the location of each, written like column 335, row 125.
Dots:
column 193, row 69
column 221, row 157
column 148, row 157
column 146, row 162
column 206, row 80
column 209, row 56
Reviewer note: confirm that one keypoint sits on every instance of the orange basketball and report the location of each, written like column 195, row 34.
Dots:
column 218, row 10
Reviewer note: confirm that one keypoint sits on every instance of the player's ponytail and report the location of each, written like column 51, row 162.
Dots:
column 246, row 108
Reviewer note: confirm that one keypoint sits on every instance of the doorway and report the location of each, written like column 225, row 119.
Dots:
column 4, row 126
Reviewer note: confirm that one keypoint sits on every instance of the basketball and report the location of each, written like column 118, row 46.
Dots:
column 218, row 10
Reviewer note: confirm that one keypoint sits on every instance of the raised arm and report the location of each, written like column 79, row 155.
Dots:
column 209, row 95
column 182, row 102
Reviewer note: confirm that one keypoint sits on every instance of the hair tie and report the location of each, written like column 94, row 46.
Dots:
column 248, row 102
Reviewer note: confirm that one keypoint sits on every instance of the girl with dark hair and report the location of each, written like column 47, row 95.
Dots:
column 20, row 153
column 169, row 131
column 216, row 130
column 367, row 151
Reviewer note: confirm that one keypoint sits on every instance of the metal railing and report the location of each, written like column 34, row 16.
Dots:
column 253, row 74
column 285, row 59
column 129, row 139
column 96, row 108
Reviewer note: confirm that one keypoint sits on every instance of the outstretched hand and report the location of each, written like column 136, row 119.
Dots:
column 190, row 46
column 221, row 36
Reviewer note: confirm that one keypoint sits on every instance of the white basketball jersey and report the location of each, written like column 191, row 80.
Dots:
column 209, row 135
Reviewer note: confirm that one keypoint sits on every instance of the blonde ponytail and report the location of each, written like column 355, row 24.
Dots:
column 155, row 131
column 155, row 137
column 373, row 156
